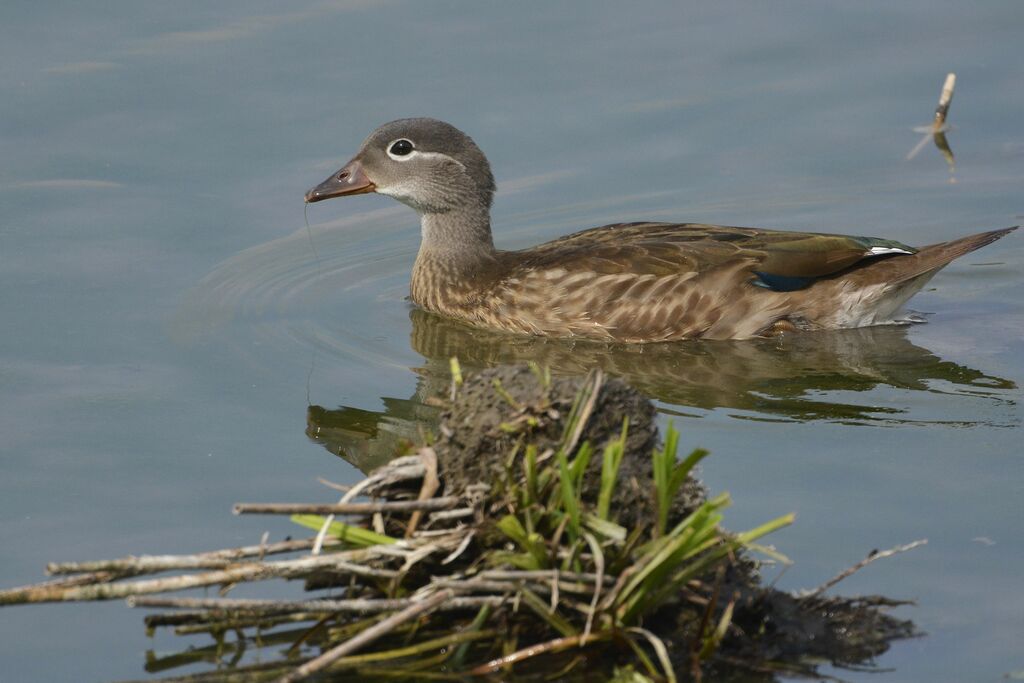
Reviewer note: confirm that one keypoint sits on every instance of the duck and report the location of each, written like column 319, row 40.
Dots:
column 631, row 283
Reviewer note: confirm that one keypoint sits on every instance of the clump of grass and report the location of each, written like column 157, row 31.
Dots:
column 639, row 570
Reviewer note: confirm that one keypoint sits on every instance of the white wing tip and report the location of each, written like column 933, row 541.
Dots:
column 879, row 251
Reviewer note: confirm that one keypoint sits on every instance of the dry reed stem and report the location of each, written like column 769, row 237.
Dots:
column 366, row 637
column 319, row 607
column 399, row 469
column 216, row 559
column 251, row 571
column 543, row 575
column 347, row 497
column 556, row 645
column 593, row 385
column 430, row 486
column 457, row 513
column 442, row 503
column 12, row 596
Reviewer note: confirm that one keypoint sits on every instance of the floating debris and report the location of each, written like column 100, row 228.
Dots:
column 936, row 131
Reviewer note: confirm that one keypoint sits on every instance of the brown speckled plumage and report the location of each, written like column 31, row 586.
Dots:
column 632, row 282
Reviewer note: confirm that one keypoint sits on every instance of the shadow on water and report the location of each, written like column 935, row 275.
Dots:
column 844, row 376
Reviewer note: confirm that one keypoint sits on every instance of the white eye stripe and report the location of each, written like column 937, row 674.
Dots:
column 418, row 154
column 438, row 155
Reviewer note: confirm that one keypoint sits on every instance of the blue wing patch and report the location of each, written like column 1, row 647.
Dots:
column 781, row 283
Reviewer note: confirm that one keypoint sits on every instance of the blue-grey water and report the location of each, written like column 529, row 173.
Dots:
column 167, row 318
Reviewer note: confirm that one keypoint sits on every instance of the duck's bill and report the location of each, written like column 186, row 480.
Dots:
column 348, row 180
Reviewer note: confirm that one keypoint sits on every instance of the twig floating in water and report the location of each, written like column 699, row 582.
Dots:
column 944, row 100
column 937, row 130
column 874, row 555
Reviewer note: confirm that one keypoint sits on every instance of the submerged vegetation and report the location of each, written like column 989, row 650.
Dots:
column 542, row 533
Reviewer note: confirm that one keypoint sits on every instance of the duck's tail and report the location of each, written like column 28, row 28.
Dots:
column 874, row 293
column 928, row 260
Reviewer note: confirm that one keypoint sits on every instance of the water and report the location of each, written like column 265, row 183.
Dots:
column 166, row 325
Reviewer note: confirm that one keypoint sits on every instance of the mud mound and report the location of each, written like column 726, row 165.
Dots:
column 500, row 410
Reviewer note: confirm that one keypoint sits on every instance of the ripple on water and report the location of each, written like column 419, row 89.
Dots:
column 318, row 288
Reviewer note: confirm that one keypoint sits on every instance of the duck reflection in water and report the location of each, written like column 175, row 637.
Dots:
column 796, row 378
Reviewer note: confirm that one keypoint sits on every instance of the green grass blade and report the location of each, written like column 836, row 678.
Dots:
column 574, row 414
column 459, row 655
column 610, row 463
column 769, row 551
column 456, row 370
column 580, row 462
column 532, row 543
column 712, row 640
column 639, row 602
column 603, row 527
column 526, row 561
column 656, row 565
column 530, row 471
column 766, row 528
column 347, row 533
column 670, row 476
column 697, row 517
column 568, row 495
column 543, row 610
column 645, row 661
column 683, row 469
column 660, row 650
column 423, row 647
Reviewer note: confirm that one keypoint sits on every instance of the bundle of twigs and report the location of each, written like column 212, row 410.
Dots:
column 483, row 578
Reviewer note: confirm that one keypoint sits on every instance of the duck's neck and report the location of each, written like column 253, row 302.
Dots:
column 462, row 234
column 456, row 253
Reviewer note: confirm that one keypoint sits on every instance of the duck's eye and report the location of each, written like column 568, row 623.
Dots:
column 400, row 148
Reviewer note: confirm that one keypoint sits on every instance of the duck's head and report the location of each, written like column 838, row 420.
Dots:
column 428, row 164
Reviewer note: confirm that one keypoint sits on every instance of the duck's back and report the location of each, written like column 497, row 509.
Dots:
column 662, row 281
column 667, row 248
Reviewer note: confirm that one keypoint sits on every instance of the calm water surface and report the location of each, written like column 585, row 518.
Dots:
column 172, row 331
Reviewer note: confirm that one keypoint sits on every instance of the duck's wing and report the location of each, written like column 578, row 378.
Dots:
column 781, row 259
column 660, row 281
